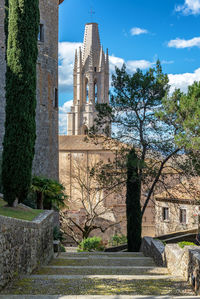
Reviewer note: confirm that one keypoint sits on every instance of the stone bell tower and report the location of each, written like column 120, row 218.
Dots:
column 91, row 82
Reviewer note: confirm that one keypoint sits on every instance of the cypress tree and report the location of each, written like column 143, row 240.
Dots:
column 20, row 128
column 133, row 208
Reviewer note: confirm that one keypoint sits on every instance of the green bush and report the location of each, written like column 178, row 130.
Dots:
column 57, row 234
column 185, row 243
column 91, row 244
column 118, row 240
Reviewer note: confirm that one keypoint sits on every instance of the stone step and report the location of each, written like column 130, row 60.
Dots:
column 94, row 261
column 46, row 285
column 92, row 297
column 101, row 270
column 108, row 254
column 115, row 277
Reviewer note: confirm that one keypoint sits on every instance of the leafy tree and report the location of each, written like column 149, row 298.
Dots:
column 136, row 101
column 20, row 131
column 49, row 193
column 184, row 110
column 133, row 207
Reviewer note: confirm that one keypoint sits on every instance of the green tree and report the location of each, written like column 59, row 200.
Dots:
column 184, row 110
column 133, row 207
column 23, row 24
column 136, row 101
column 49, row 193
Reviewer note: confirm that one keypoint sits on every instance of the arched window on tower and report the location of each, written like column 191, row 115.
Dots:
column 95, row 92
column 85, row 130
column 86, row 91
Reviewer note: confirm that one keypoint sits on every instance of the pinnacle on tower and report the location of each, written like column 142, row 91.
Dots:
column 107, row 60
column 75, row 61
column 79, row 64
column 101, row 60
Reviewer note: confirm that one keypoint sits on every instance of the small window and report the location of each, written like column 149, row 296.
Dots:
column 182, row 215
column 95, row 69
column 165, row 213
column 41, row 33
column 56, row 98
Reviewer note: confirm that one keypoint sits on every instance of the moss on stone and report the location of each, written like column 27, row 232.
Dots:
column 99, row 287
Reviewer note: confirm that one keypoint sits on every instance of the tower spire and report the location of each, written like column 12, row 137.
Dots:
column 91, row 82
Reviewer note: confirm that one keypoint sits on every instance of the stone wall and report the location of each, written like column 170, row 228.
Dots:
column 46, row 148
column 24, row 245
column 183, row 262
column 173, row 224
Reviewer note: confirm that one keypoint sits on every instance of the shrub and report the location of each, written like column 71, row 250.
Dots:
column 57, row 234
column 118, row 240
column 185, row 243
column 91, row 244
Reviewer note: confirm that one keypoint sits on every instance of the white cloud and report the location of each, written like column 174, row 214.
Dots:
column 182, row 81
column 190, row 7
column 138, row 31
column 66, row 63
column 182, row 43
column 63, row 117
column 131, row 65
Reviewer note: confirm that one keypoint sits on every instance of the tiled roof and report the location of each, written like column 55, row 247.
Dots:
column 83, row 143
column 189, row 190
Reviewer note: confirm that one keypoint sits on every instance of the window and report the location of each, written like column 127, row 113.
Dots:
column 182, row 215
column 56, row 98
column 95, row 69
column 165, row 213
column 41, row 33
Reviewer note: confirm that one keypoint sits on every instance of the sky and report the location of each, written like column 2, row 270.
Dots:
column 137, row 33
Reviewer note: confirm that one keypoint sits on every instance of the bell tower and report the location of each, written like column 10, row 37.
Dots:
column 91, row 82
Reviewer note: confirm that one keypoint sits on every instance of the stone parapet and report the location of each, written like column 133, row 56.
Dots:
column 182, row 262
column 24, row 245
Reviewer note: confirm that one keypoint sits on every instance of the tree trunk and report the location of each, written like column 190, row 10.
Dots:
column 39, row 201
column 133, row 208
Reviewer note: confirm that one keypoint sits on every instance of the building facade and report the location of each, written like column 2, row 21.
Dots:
column 46, row 147
column 91, row 82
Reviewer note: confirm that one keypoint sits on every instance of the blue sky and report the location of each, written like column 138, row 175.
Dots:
column 136, row 32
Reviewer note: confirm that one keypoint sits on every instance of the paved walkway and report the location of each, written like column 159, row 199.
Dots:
column 99, row 275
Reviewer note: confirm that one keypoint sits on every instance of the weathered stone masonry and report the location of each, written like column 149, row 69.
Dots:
column 24, row 245
column 46, row 148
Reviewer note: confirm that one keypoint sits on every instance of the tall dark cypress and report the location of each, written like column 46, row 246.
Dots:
column 6, row 22
column 133, row 207
column 20, row 128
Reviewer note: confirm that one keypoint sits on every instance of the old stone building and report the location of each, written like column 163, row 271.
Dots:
column 177, row 208
column 91, row 82
column 46, row 148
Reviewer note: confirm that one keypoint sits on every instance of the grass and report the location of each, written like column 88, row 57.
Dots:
column 185, row 243
column 18, row 212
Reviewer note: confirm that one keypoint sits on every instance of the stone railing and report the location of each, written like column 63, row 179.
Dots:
column 184, row 262
column 24, row 245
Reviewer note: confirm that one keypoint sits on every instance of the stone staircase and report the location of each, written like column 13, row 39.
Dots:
column 98, row 275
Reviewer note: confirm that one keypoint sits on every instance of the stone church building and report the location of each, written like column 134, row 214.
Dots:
column 76, row 156
column 46, row 148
